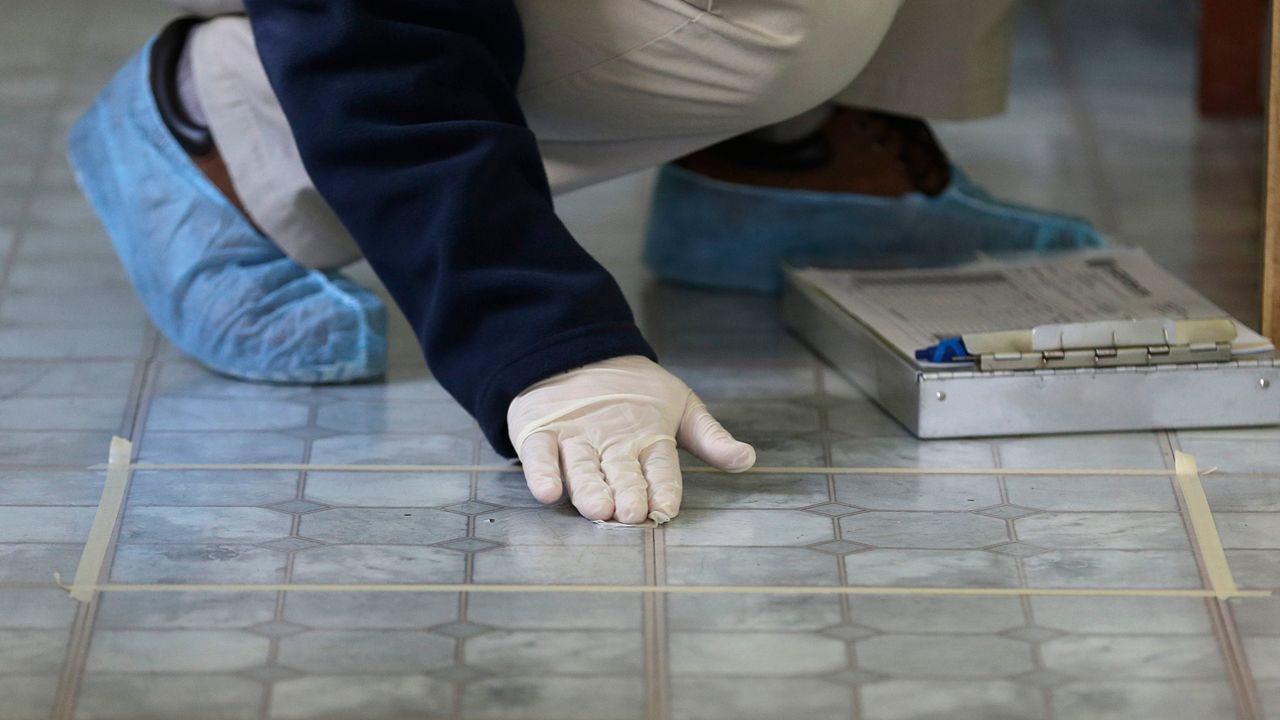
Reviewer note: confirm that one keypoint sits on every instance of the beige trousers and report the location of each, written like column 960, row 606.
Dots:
column 614, row 86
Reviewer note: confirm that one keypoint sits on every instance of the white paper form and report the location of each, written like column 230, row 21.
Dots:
column 913, row 309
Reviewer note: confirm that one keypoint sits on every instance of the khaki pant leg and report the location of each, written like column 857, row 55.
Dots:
column 610, row 87
column 944, row 59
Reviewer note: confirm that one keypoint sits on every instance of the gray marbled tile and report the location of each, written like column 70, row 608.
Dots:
column 952, row 699
column 750, row 566
column 1126, row 699
column 755, row 653
column 931, row 568
column 978, row 657
column 369, row 697
column 211, row 563
column 936, row 614
column 370, row 610
column 923, row 530
column 153, row 524
column 1092, row 493
column 748, row 528
column 389, row 526
column 569, row 652
column 175, row 651
column 758, row 698
column 538, row 696
column 1113, row 568
column 366, row 652
column 378, row 564
column 756, row 612
column 204, row 487
column 118, row 696
column 753, row 491
column 367, row 449
column 922, row 492
column 567, row 565
column 556, row 611
column 388, row 489
column 184, row 610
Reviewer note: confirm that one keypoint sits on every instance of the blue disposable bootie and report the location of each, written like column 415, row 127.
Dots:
column 726, row 235
column 214, row 285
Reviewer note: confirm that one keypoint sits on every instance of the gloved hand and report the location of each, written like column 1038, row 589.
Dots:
column 608, row 431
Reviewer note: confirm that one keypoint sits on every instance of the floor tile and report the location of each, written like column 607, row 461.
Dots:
column 112, row 696
column 378, row 564
column 387, row 526
column 358, row 610
column 366, row 652
column 748, row 528
column 757, row 698
column 953, row 699
column 199, row 414
column 388, row 489
column 203, row 487
column 750, row 566
column 223, row 563
column 1249, row 530
column 27, row 696
column 1092, row 493
column 924, row 492
column 387, row 697
column 45, row 524
column 910, row 453
column 951, row 656
column 34, row 652
column 35, row 608
column 755, row 653
column 923, row 530
column 230, row 447
column 1134, row 656
column 43, row 487
column 540, row 696
column 415, row 416
column 752, row 491
column 359, row 449
column 936, row 614
column 61, row 413
column 36, row 562
column 1085, row 451
column 758, row 612
column 175, row 651
column 182, row 610
column 1104, row 530
column 1111, row 615
column 560, row 526
column 931, row 568
column 202, row 525
column 515, row 652
column 1113, row 568
column 567, row 565
column 1181, row 700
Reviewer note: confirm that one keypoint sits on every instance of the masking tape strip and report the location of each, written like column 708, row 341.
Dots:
column 104, row 520
column 1206, row 531
column 664, row 589
column 778, row 470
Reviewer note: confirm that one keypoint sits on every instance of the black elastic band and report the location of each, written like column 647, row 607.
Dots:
column 166, row 53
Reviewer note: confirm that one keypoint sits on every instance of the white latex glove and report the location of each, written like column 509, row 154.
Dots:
column 608, row 432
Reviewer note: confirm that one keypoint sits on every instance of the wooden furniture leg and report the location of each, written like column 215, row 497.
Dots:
column 1271, row 189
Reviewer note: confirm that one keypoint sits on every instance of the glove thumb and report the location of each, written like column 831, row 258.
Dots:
column 702, row 435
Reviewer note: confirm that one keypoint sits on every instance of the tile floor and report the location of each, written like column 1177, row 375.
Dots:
column 1101, row 123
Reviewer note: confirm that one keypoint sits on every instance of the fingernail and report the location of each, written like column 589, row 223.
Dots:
column 658, row 517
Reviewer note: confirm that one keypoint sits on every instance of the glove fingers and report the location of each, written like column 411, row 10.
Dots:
column 540, row 455
column 702, row 435
column 587, row 488
column 661, row 465
column 630, row 491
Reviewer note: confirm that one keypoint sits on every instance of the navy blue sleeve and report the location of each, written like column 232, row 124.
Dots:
column 406, row 118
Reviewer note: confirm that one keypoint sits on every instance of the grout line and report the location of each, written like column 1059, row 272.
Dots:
column 666, row 589
column 697, row 469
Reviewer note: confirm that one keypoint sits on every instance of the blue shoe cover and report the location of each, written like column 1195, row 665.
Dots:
column 725, row 235
column 216, row 287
